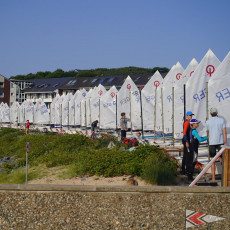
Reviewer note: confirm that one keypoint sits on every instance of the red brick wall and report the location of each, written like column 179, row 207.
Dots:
column 6, row 91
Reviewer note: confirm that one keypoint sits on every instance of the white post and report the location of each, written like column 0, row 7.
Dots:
column 162, row 114
column 130, row 112
column 173, row 116
column 155, row 113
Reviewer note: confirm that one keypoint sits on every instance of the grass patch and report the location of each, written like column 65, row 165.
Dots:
column 77, row 155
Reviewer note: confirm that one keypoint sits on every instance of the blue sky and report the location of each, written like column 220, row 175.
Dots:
column 45, row 35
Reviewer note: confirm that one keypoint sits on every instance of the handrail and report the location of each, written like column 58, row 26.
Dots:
column 223, row 147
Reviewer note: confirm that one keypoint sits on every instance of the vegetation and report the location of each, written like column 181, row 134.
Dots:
column 82, row 156
column 90, row 73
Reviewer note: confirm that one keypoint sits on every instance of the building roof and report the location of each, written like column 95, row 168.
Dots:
column 107, row 81
column 47, row 84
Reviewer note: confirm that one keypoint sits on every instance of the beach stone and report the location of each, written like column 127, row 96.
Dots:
column 109, row 207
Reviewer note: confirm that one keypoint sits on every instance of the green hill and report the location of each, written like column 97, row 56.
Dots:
column 90, row 73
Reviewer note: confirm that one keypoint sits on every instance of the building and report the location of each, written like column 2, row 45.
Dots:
column 108, row 81
column 46, row 89
column 21, row 85
column 7, row 91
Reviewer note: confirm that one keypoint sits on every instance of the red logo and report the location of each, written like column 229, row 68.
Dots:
column 194, row 218
column 210, row 69
column 178, row 76
column 112, row 94
column 156, row 83
column 128, row 86
column 100, row 92
column 191, row 73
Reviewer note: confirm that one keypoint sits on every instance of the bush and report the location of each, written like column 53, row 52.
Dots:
column 159, row 169
column 91, row 157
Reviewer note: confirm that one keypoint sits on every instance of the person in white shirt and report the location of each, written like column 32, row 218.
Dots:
column 217, row 136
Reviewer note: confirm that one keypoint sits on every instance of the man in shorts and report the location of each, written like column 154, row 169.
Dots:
column 217, row 136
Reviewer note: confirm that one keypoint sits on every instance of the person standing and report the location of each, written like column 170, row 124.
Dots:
column 27, row 127
column 93, row 129
column 195, row 139
column 185, row 142
column 123, row 125
column 217, row 136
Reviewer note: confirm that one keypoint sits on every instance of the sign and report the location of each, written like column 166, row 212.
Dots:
column 27, row 146
column 178, row 76
column 156, row 83
column 100, row 92
column 112, row 94
column 194, row 219
column 210, row 69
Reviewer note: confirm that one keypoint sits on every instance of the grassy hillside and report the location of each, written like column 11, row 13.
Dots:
column 82, row 155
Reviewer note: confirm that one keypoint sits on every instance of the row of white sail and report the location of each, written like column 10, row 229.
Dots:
column 84, row 107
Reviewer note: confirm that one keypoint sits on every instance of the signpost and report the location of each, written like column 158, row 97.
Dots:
column 27, row 151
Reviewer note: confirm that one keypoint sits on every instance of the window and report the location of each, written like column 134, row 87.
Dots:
column 101, row 81
column 46, row 95
column 1, row 84
column 110, row 79
column 94, row 80
column 56, row 85
column 137, row 78
column 12, row 85
column 1, row 94
column 71, row 82
column 12, row 94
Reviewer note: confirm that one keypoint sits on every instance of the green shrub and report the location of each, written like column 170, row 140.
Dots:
column 91, row 157
column 159, row 169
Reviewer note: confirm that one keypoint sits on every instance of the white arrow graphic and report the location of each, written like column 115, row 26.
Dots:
column 194, row 219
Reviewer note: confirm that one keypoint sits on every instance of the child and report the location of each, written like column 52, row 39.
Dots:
column 27, row 127
column 195, row 139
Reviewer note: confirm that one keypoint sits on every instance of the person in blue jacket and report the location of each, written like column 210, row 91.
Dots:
column 195, row 139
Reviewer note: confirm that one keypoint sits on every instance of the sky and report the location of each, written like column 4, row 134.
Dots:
column 45, row 35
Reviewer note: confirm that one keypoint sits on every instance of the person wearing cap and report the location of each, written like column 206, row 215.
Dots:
column 195, row 139
column 185, row 141
column 217, row 136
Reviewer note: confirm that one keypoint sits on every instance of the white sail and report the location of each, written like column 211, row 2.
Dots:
column 79, row 96
column 196, row 88
column 148, row 101
column 72, row 111
column 179, row 99
column 14, row 112
column 123, row 98
column 85, row 110
column 135, row 110
column 5, row 113
column 108, row 109
column 94, row 102
column 21, row 114
column 219, row 91
column 52, row 109
column 29, row 110
column 41, row 113
column 170, row 81
column 65, row 109
column 88, row 110
column 58, row 110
